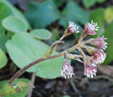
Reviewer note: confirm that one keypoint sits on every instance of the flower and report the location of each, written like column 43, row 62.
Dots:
column 73, row 28
column 90, row 71
column 90, row 67
column 99, row 43
column 67, row 69
column 99, row 57
column 90, row 28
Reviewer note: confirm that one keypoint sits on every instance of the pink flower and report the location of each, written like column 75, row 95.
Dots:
column 90, row 67
column 90, row 71
column 67, row 69
column 73, row 28
column 90, row 28
column 99, row 57
column 99, row 43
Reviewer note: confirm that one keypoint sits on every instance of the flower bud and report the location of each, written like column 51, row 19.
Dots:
column 72, row 28
column 90, row 28
column 67, row 69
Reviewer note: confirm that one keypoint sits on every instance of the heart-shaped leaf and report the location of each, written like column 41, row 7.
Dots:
column 23, row 49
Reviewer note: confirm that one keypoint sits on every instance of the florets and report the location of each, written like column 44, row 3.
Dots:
column 67, row 69
column 91, row 28
column 73, row 28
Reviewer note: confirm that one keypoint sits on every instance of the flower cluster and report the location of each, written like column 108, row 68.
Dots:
column 97, row 54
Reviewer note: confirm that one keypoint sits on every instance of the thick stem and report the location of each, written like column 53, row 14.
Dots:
column 21, row 71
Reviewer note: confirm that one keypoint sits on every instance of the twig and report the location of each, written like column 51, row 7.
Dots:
column 32, row 84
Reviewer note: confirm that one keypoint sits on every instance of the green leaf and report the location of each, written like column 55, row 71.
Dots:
column 98, row 16
column 41, row 34
column 42, row 14
column 6, row 9
column 101, row 1
column 109, row 14
column 109, row 34
column 21, row 94
column 13, row 24
column 89, row 3
column 72, row 12
column 58, row 2
column 24, row 49
column 3, row 59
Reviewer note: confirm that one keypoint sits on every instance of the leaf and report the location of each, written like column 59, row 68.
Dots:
column 89, row 3
column 72, row 12
column 98, row 16
column 58, row 2
column 43, row 14
column 109, row 14
column 24, row 49
column 109, row 34
column 41, row 34
column 101, row 1
column 21, row 94
column 13, row 24
column 13, row 88
column 6, row 9
column 3, row 59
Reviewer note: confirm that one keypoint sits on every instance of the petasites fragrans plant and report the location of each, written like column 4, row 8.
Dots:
column 95, row 57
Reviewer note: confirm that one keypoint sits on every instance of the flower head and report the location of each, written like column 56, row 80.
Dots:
column 90, row 68
column 90, row 71
column 90, row 28
column 73, row 28
column 99, row 43
column 67, row 69
column 99, row 57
